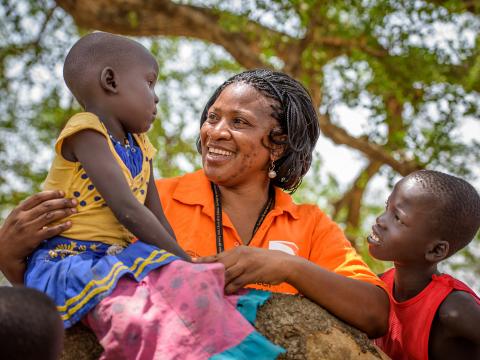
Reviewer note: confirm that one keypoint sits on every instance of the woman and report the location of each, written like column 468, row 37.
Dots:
column 257, row 135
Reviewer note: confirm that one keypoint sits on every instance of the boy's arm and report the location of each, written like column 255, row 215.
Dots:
column 91, row 149
column 457, row 322
column 152, row 201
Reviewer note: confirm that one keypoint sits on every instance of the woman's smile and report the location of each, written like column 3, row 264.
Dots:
column 217, row 156
column 213, row 151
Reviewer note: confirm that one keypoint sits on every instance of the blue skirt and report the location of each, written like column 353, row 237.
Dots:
column 78, row 274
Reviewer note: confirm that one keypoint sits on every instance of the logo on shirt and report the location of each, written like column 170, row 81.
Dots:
column 285, row 246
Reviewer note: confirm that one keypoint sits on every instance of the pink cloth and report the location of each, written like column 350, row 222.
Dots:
column 176, row 312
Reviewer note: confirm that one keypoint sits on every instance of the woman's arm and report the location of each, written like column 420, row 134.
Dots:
column 362, row 305
column 91, row 149
column 27, row 226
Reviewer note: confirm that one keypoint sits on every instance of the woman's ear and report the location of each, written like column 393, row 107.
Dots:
column 276, row 141
column 437, row 250
column 108, row 80
column 277, row 151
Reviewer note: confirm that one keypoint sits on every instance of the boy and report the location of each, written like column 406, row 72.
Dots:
column 428, row 217
column 30, row 328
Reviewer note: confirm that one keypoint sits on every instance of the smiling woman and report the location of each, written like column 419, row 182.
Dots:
column 257, row 135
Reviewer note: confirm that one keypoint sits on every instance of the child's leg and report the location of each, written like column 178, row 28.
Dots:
column 178, row 311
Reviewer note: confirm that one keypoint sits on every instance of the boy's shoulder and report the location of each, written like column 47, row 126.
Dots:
column 460, row 297
column 459, row 309
column 454, row 332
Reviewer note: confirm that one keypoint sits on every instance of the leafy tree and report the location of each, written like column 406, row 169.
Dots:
column 412, row 66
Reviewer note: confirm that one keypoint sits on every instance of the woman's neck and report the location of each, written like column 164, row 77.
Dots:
column 249, row 197
column 243, row 206
column 411, row 280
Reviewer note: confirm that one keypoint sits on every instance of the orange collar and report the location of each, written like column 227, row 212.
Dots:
column 194, row 189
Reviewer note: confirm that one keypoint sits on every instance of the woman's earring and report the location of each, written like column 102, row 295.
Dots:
column 272, row 174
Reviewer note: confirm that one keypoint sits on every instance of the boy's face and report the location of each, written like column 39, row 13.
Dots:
column 403, row 232
column 136, row 103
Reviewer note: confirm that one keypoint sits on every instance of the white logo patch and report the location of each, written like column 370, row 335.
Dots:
column 285, row 246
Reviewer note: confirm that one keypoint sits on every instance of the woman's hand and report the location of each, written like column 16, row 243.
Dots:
column 247, row 265
column 27, row 226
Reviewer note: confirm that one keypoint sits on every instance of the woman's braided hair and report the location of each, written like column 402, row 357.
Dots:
column 294, row 111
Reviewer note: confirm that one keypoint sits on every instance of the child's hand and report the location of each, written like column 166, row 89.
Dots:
column 27, row 226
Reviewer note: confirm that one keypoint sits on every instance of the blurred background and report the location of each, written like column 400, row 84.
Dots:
column 396, row 84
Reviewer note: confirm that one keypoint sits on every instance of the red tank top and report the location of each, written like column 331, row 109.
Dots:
column 410, row 321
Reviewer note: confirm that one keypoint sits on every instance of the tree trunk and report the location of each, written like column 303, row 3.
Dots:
column 304, row 329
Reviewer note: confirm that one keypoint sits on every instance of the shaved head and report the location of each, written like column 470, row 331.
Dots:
column 456, row 207
column 94, row 52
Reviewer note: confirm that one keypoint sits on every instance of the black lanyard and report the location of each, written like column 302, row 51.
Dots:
column 218, row 215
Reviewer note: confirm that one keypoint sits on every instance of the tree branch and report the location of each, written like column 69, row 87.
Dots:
column 373, row 151
column 48, row 16
column 16, row 49
column 460, row 6
column 166, row 18
column 350, row 44
column 352, row 199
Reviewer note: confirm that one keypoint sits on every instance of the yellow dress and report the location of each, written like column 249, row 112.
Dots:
column 78, row 269
column 94, row 220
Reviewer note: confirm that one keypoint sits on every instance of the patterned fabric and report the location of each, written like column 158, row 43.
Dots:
column 72, row 179
column 77, row 275
column 410, row 321
column 179, row 312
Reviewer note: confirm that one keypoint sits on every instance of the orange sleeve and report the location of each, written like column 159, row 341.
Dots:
column 331, row 250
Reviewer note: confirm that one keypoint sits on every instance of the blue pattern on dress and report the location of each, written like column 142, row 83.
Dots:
column 78, row 274
column 131, row 154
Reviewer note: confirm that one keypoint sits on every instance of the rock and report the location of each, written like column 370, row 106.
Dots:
column 80, row 344
column 309, row 332
column 303, row 328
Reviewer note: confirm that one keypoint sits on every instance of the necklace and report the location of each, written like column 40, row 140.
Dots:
column 130, row 153
column 128, row 141
column 218, row 215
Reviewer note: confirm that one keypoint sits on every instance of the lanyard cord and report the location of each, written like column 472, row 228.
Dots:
column 218, row 215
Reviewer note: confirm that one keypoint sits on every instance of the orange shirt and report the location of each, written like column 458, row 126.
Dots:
column 302, row 230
